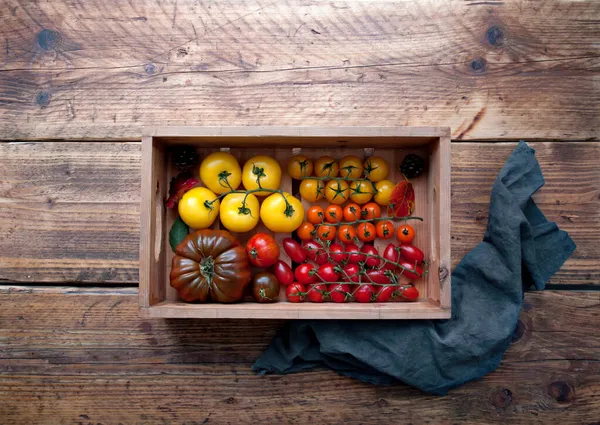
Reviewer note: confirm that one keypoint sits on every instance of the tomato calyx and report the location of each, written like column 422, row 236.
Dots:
column 328, row 166
column 222, row 178
column 207, row 268
column 259, row 172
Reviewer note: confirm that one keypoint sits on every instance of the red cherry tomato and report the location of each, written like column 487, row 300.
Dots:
column 377, row 276
column 326, row 232
column 406, row 233
column 355, row 255
column 336, row 251
column 370, row 211
column 371, row 250
column 351, row 212
column 315, row 252
column 384, row 229
column 305, row 275
column 353, row 272
column 317, row 293
column 411, row 293
column 364, row 294
column 385, row 293
column 327, row 273
column 366, row 232
column 411, row 253
column 295, row 293
column 262, row 250
column 339, row 293
column 410, row 271
column 294, row 250
column 390, row 253
column 283, row 273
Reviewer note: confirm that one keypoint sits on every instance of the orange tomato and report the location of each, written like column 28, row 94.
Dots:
column 366, row 232
column 384, row 229
column 370, row 211
column 406, row 233
column 334, row 213
column 337, row 191
column 351, row 212
column 326, row 166
column 346, row 233
column 315, row 214
column 326, row 232
column 306, row 231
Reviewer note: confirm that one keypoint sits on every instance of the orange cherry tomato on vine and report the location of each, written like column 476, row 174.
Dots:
column 351, row 212
column 346, row 233
column 370, row 211
column 306, row 231
column 406, row 233
column 384, row 229
column 334, row 213
column 325, row 232
column 337, row 191
column 315, row 214
column 366, row 232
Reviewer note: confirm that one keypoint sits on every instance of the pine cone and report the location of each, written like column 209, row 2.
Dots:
column 412, row 166
column 185, row 158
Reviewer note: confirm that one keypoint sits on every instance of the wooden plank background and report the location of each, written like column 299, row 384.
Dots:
column 79, row 80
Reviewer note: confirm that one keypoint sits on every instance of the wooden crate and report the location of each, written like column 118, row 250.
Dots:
column 158, row 299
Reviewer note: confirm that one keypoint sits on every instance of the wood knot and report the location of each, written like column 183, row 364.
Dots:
column 478, row 65
column 149, row 68
column 230, row 400
column 43, row 99
column 502, row 397
column 561, row 391
column 48, row 39
column 443, row 274
column 519, row 331
column 495, row 36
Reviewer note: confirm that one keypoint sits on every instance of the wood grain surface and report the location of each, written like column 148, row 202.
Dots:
column 91, row 359
column 69, row 211
column 487, row 69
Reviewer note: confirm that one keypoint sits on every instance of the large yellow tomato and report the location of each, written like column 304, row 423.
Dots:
column 196, row 210
column 221, row 172
column 351, row 167
column 376, row 168
column 361, row 191
column 300, row 166
column 326, row 166
column 312, row 190
column 261, row 172
column 384, row 191
column 237, row 215
column 337, row 191
column 280, row 216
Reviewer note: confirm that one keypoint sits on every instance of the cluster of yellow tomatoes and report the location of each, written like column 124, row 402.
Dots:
column 240, row 210
column 349, row 179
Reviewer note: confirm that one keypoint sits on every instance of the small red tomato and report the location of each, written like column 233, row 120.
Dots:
column 406, row 233
column 294, row 250
column 283, row 273
column 377, row 276
column 411, row 293
column 346, row 233
column 317, row 293
column 327, row 273
column 351, row 212
column 326, row 232
column 384, row 229
column 315, row 252
column 353, row 273
column 390, row 253
column 411, row 253
column 355, row 255
column 295, row 293
column 336, row 251
column 305, row 275
column 364, row 294
column 410, row 271
column 366, row 232
column 370, row 211
column 372, row 259
column 339, row 293
column 262, row 250
column 306, row 231
column 334, row 213
column 385, row 293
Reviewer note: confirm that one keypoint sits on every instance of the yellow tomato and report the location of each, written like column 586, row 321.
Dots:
column 351, row 167
column 261, row 172
column 238, row 216
column 193, row 208
column 384, row 191
column 280, row 216
column 361, row 191
column 337, row 191
column 312, row 190
column 326, row 166
column 300, row 166
column 376, row 168
column 221, row 172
